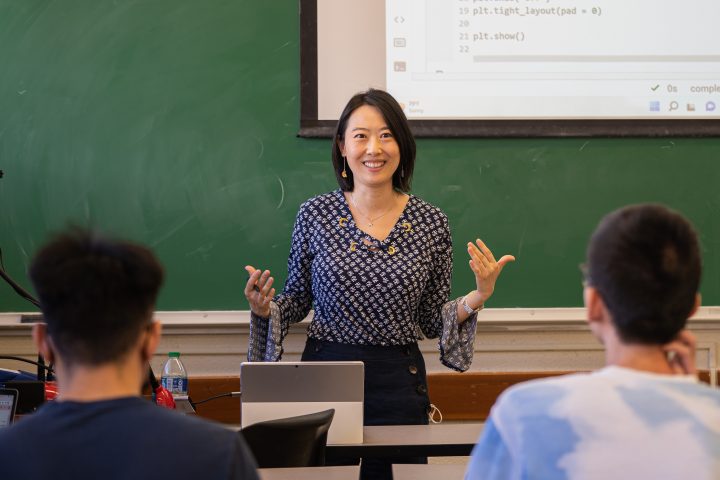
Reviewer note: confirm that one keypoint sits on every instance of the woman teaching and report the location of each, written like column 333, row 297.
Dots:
column 375, row 263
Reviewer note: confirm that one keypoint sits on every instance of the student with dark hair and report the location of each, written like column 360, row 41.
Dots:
column 645, row 415
column 97, row 298
column 375, row 264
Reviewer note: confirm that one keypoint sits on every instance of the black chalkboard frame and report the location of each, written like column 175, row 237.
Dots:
column 312, row 127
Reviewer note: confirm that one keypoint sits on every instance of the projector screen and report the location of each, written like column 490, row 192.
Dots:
column 517, row 67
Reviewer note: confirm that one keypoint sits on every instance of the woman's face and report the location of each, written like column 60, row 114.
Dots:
column 372, row 153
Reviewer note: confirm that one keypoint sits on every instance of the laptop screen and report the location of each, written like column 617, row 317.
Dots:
column 8, row 402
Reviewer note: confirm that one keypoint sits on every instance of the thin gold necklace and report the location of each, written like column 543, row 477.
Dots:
column 370, row 221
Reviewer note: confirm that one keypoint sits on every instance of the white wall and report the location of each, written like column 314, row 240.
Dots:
column 551, row 339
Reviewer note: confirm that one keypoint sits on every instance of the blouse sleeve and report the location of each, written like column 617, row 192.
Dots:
column 438, row 317
column 292, row 305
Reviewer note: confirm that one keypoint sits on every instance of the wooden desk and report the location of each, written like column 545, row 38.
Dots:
column 445, row 439
column 351, row 472
column 428, row 472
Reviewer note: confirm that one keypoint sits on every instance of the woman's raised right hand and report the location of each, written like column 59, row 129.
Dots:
column 259, row 291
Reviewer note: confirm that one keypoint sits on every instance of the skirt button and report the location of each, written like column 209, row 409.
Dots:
column 413, row 369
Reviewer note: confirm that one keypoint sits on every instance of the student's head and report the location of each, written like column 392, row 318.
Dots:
column 97, row 295
column 395, row 121
column 644, row 261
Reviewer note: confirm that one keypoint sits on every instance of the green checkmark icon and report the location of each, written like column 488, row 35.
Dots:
column 655, row 87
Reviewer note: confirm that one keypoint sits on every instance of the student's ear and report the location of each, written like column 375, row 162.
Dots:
column 152, row 340
column 42, row 342
column 341, row 146
column 698, row 299
column 595, row 311
column 594, row 305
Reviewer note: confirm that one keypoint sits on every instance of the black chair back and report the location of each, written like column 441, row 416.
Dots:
column 290, row 442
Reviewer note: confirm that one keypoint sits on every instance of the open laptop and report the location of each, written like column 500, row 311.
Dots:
column 31, row 394
column 8, row 404
column 272, row 390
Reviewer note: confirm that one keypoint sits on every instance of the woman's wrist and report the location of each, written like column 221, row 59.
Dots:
column 474, row 301
column 264, row 315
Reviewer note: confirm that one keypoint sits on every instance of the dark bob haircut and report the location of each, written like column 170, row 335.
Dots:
column 644, row 260
column 96, row 294
column 398, row 125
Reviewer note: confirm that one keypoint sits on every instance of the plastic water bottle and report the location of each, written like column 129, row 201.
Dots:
column 174, row 377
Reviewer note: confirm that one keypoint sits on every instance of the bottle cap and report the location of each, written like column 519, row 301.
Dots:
column 174, row 354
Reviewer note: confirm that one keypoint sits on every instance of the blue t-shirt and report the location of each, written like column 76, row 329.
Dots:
column 125, row 438
column 612, row 424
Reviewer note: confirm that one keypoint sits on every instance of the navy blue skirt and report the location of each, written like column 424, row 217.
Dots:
column 395, row 390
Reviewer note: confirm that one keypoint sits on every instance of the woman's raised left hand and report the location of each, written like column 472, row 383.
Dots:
column 486, row 268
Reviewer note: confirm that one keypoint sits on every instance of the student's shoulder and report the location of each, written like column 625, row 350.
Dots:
column 547, row 387
column 6, row 439
column 175, row 421
column 22, row 435
column 223, row 443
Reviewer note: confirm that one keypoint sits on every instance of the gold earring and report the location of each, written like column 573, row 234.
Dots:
column 344, row 173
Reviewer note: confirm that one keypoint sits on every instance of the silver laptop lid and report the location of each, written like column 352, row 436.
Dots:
column 302, row 381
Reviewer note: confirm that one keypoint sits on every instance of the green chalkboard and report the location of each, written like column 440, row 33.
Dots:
column 173, row 122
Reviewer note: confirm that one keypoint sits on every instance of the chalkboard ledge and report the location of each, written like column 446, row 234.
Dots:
column 507, row 340
column 489, row 318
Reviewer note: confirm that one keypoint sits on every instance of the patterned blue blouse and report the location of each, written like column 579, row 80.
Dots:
column 368, row 292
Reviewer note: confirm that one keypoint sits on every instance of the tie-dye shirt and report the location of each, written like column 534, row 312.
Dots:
column 615, row 423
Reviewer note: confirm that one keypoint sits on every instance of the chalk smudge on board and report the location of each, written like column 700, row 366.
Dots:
column 232, row 185
column 522, row 241
column 282, row 193
column 202, row 250
column 262, row 146
column 672, row 145
column 172, row 231
column 282, row 46
column 583, row 146
column 22, row 250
